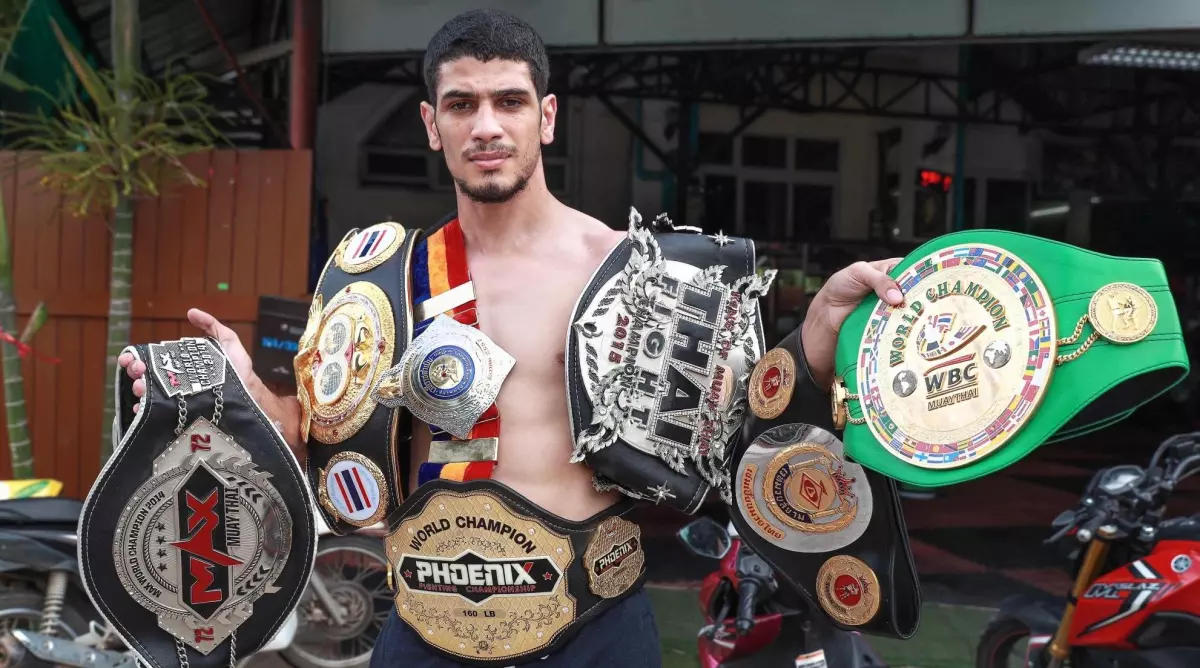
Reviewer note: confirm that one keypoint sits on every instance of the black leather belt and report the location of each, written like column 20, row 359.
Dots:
column 485, row 577
column 830, row 527
column 197, row 539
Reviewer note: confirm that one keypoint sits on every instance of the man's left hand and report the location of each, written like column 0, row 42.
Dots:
column 836, row 300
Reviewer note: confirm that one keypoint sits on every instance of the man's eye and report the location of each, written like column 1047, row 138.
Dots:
column 511, row 103
column 460, row 106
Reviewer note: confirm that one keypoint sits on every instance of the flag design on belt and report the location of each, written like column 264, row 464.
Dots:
column 440, row 265
column 369, row 244
column 354, row 492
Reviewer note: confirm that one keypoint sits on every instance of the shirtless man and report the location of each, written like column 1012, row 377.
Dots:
column 530, row 256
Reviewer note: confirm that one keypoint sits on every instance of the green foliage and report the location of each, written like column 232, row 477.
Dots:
column 80, row 151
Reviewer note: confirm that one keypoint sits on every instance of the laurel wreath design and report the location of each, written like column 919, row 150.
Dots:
column 639, row 287
column 484, row 638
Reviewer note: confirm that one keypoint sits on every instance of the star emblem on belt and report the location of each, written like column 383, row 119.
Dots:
column 661, row 493
column 720, row 238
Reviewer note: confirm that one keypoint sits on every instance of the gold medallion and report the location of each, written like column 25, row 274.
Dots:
column 807, row 488
column 848, row 590
column 339, row 359
column 838, row 395
column 352, row 489
column 772, row 383
column 1123, row 312
column 957, row 370
column 370, row 248
column 478, row 580
column 614, row 558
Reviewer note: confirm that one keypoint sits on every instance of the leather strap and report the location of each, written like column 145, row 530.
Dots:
column 882, row 545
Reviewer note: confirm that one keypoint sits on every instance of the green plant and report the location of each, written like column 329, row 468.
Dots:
column 12, row 18
column 85, row 158
column 120, row 138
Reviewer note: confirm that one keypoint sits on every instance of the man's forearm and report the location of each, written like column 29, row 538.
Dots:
column 820, row 343
column 283, row 409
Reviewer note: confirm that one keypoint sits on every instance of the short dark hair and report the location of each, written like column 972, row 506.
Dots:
column 487, row 34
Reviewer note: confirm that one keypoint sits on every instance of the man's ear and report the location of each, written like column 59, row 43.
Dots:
column 429, row 116
column 549, row 117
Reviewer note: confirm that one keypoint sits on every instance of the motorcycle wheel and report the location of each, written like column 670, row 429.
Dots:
column 22, row 609
column 354, row 570
column 1003, row 645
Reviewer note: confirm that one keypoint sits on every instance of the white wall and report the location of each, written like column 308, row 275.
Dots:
column 601, row 150
column 603, row 173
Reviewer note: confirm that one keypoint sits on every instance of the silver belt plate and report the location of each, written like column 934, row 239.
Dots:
column 448, row 376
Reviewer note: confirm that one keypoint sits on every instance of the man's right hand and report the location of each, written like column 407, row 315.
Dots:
column 286, row 410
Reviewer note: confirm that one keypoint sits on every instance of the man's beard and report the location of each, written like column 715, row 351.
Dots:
column 492, row 191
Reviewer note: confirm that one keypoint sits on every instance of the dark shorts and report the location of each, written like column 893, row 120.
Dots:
column 626, row 636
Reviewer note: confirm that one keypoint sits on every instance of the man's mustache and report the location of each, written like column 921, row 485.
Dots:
column 494, row 147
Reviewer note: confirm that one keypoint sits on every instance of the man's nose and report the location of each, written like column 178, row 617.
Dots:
column 487, row 125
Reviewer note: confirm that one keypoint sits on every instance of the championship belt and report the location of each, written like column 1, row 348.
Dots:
column 1005, row 341
column 831, row 528
column 485, row 577
column 359, row 324
column 663, row 338
column 198, row 538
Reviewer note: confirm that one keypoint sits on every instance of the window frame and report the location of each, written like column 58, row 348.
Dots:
column 789, row 175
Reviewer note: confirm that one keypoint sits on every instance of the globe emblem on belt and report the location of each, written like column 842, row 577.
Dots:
column 446, row 373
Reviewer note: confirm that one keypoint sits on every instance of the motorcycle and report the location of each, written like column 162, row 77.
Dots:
column 343, row 610
column 40, row 587
column 47, row 618
column 1135, row 601
column 750, row 620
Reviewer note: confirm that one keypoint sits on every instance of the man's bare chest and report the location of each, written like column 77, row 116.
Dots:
column 527, row 313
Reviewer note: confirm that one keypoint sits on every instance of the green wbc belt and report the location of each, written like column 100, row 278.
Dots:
column 1004, row 342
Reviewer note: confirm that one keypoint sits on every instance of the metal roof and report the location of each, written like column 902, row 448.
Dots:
column 175, row 29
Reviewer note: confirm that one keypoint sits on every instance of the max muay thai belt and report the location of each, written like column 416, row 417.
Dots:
column 661, row 341
column 831, row 528
column 1005, row 341
column 198, row 537
column 486, row 577
column 359, row 324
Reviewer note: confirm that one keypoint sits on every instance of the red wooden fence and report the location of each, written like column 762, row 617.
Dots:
column 217, row 248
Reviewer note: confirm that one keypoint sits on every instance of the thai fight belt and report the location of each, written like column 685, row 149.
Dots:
column 1005, row 341
column 198, row 537
column 360, row 323
column 487, row 578
column 832, row 529
column 662, row 340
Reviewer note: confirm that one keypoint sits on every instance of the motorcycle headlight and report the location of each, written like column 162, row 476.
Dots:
column 1121, row 479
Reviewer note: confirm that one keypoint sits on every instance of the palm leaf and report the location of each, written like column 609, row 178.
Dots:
column 91, row 80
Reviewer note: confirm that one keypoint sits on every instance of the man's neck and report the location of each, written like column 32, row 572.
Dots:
column 509, row 226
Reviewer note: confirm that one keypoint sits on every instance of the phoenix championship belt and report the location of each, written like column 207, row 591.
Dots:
column 360, row 323
column 1004, row 341
column 662, row 341
column 485, row 577
column 831, row 528
column 198, row 538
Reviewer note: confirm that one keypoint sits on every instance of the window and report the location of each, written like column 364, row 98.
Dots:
column 769, row 188
column 812, row 212
column 817, row 156
column 766, row 209
column 397, row 153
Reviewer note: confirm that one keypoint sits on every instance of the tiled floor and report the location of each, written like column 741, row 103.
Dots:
column 980, row 541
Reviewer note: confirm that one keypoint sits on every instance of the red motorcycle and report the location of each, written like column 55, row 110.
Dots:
column 1135, row 601
column 751, row 621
